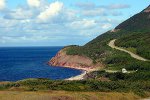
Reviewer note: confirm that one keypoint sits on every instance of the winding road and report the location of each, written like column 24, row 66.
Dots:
column 112, row 45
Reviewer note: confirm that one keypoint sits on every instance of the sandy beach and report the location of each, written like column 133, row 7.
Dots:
column 78, row 77
column 81, row 76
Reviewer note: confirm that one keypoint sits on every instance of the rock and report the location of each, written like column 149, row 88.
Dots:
column 73, row 61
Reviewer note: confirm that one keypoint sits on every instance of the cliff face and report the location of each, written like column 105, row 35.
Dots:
column 73, row 61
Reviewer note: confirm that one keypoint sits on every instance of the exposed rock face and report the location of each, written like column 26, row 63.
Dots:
column 147, row 10
column 73, row 61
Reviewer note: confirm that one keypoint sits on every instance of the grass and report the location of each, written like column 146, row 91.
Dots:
column 131, row 49
column 63, row 95
column 43, row 89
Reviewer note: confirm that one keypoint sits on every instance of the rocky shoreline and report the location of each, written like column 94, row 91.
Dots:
column 76, row 62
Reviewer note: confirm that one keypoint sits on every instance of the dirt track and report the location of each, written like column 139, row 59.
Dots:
column 112, row 45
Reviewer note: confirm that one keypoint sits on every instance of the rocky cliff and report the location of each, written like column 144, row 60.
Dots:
column 74, row 61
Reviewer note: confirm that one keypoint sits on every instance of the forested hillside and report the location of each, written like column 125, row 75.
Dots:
column 133, row 35
column 140, row 21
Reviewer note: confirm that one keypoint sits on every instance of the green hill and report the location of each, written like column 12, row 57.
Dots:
column 133, row 33
column 140, row 21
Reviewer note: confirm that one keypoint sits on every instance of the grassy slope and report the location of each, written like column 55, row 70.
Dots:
column 139, row 41
column 138, row 36
column 134, row 33
column 119, row 83
column 63, row 95
column 139, row 21
column 98, row 50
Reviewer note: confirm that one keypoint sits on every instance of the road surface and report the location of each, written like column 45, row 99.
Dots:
column 112, row 45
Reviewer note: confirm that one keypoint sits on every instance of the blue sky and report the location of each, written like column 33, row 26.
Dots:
column 61, row 22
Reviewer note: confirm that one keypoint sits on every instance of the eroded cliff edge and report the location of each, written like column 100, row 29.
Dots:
column 74, row 61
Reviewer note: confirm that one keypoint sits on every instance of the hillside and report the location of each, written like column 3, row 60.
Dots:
column 73, row 61
column 133, row 34
column 64, row 95
column 140, row 21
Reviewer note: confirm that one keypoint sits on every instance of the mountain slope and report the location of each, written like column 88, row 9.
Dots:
column 140, row 21
column 132, row 33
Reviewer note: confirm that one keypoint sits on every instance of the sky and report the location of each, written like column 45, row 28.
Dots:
column 61, row 22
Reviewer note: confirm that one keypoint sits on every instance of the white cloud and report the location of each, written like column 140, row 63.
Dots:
column 89, row 9
column 90, row 5
column 94, row 12
column 52, row 11
column 6, row 39
column 106, row 26
column 29, row 39
column 26, row 21
column 7, row 23
column 82, row 24
column 34, row 3
column 118, row 6
column 85, row 5
column 46, row 22
column 2, row 4
column 19, row 14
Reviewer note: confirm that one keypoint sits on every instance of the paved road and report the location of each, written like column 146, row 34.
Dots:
column 112, row 45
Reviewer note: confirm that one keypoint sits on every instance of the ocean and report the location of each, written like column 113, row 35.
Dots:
column 18, row 63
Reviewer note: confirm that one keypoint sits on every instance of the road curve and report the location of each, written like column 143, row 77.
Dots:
column 112, row 45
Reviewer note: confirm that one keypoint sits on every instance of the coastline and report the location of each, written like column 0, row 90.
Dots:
column 85, row 71
column 83, row 63
column 78, row 77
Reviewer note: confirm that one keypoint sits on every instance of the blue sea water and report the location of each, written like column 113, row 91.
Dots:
column 17, row 63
